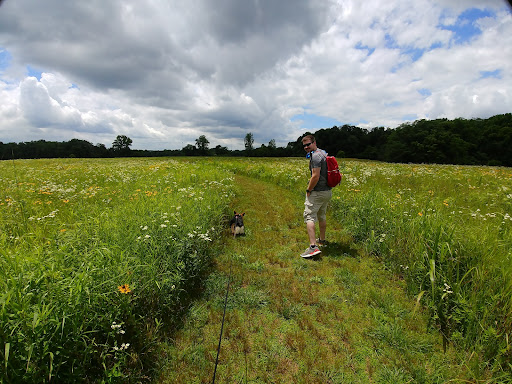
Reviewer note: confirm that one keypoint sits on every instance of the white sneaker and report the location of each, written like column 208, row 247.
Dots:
column 310, row 252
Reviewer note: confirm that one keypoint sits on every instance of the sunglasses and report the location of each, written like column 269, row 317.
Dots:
column 307, row 145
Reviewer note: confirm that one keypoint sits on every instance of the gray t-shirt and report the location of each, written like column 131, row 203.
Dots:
column 318, row 160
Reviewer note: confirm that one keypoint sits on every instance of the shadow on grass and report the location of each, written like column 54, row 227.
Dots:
column 335, row 249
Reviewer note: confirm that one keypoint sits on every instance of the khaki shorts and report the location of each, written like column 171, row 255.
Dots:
column 315, row 206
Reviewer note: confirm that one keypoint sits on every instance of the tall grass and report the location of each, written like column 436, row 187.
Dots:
column 446, row 229
column 97, row 257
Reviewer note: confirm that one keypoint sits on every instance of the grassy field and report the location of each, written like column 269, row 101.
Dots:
column 340, row 318
column 446, row 230
column 98, row 257
column 100, row 260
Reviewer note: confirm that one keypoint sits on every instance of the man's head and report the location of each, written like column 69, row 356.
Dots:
column 309, row 143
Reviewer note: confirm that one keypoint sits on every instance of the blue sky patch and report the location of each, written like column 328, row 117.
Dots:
column 390, row 42
column 424, row 92
column 311, row 121
column 495, row 74
column 465, row 28
column 5, row 59
column 436, row 45
column 34, row 72
column 365, row 48
column 413, row 52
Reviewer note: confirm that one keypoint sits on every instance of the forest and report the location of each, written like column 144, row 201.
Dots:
column 441, row 141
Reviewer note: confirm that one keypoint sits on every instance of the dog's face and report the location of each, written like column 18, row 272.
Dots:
column 239, row 219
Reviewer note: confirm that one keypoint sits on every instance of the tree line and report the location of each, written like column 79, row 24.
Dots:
column 441, row 141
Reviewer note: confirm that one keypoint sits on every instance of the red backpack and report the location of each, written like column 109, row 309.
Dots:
column 333, row 172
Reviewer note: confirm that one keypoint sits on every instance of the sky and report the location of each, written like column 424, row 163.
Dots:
column 164, row 72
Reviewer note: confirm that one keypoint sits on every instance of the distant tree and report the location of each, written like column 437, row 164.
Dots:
column 261, row 151
column 272, row 144
column 77, row 148
column 189, row 150
column 219, row 150
column 121, row 145
column 100, row 150
column 249, row 141
column 202, row 144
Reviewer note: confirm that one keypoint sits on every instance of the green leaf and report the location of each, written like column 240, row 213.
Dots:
column 7, row 348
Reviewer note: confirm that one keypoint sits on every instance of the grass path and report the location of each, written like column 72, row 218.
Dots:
column 341, row 318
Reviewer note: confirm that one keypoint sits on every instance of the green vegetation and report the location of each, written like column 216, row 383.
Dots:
column 97, row 259
column 445, row 229
column 343, row 318
column 441, row 141
column 101, row 259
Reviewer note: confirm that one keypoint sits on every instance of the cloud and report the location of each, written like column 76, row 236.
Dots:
column 165, row 72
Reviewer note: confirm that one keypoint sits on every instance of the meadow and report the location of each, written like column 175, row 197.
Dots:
column 446, row 230
column 100, row 258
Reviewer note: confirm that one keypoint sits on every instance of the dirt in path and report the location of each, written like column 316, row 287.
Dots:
column 340, row 318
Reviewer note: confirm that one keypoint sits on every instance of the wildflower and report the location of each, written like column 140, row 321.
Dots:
column 420, row 214
column 123, row 347
column 447, row 288
column 144, row 228
column 115, row 326
column 163, row 226
column 125, row 288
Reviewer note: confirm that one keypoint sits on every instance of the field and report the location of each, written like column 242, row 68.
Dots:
column 101, row 258
column 96, row 257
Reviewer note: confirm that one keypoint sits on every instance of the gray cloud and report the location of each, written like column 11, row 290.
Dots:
column 165, row 72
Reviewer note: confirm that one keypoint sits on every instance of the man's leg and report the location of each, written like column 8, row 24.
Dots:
column 322, row 218
column 310, row 226
column 323, row 226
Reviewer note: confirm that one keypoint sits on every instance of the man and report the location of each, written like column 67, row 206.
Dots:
column 318, row 195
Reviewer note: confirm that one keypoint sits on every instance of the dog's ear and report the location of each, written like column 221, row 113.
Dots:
column 234, row 212
column 243, row 214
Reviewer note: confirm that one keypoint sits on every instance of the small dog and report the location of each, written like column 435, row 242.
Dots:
column 237, row 224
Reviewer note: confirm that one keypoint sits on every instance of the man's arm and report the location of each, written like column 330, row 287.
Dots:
column 315, row 176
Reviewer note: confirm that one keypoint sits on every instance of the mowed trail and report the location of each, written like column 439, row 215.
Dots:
column 340, row 318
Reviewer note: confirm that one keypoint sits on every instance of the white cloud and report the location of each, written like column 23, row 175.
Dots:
column 165, row 72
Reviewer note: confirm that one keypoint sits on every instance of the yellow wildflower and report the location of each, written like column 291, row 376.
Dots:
column 125, row 288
